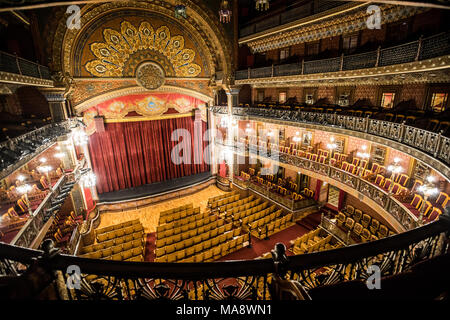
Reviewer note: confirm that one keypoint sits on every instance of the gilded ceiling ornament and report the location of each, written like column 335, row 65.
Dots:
column 150, row 75
column 113, row 54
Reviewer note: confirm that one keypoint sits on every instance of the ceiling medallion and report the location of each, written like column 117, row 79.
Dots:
column 150, row 75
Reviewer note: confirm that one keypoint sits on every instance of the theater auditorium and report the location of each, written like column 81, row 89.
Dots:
column 224, row 150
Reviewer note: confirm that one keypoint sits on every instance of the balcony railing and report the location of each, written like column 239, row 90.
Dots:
column 238, row 280
column 431, row 143
column 289, row 15
column 34, row 227
column 14, row 64
column 431, row 47
column 25, row 147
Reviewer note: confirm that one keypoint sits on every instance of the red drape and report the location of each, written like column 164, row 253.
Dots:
column 341, row 199
column 130, row 154
column 317, row 192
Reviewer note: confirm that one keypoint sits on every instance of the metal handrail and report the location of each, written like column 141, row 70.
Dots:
column 383, row 53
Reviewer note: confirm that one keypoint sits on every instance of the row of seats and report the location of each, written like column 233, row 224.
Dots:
column 205, row 222
column 430, row 212
column 117, row 226
column 362, row 225
column 177, row 209
column 179, row 215
column 272, row 226
column 206, row 255
column 256, row 213
column 214, row 227
column 128, row 251
column 183, row 222
column 193, row 246
column 119, row 232
column 214, row 205
column 113, row 242
column 241, row 211
column 236, row 204
column 209, row 236
column 221, row 197
column 316, row 240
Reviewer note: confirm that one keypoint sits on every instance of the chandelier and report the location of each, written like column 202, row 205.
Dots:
column 262, row 5
column 225, row 12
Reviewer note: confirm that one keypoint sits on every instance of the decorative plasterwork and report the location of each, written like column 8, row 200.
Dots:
column 7, row 77
column 137, row 90
column 150, row 75
column 200, row 24
column 114, row 54
column 425, row 71
column 333, row 26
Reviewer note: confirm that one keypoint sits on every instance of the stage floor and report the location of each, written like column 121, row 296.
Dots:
column 154, row 188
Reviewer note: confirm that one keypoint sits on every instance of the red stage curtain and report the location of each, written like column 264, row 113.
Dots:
column 130, row 154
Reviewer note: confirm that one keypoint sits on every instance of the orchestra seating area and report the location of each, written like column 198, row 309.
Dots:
column 316, row 240
column 362, row 226
column 62, row 227
column 201, row 237
column 120, row 242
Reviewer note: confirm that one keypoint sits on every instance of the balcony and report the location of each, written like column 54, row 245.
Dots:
column 288, row 16
column 427, row 48
column 18, row 151
column 20, row 71
column 429, row 147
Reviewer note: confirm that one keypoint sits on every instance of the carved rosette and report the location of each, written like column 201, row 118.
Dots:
column 150, row 75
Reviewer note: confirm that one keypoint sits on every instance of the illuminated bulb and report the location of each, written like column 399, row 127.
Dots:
column 43, row 160
column 21, row 178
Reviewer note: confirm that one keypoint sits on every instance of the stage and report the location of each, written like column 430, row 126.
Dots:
column 154, row 189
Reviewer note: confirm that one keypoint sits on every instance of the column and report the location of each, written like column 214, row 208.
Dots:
column 57, row 103
column 232, row 101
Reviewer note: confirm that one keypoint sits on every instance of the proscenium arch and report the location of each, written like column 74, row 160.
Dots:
column 85, row 105
column 200, row 24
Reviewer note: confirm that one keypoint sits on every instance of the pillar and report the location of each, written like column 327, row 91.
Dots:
column 57, row 103
column 232, row 101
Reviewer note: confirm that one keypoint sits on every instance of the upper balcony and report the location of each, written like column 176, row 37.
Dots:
column 428, row 54
column 315, row 9
column 20, row 71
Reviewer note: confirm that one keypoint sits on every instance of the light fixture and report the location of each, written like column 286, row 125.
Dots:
column 296, row 138
column 363, row 154
column 395, row 168
column 24, row 189
column 180, row 11
column 248, row 129
column 89, row 180
column 428, row 189
column 43, row 160
column 21, row 178
column 79, row 137
column 46, row 170
column 59, row 155
column 225, row 12
column 262, row 5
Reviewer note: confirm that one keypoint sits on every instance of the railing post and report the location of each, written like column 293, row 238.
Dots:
column 303, row 66
column 248, row 75
column 419, row 48
column 378, row 56
column 39, row 70
column 279, row 259
column 342, row 62
column 18, row 64
column 367, row 123
column 402, row 131
column 439, row 143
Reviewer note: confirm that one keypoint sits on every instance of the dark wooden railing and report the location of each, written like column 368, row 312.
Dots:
column 246, row 280
column 13, row 64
